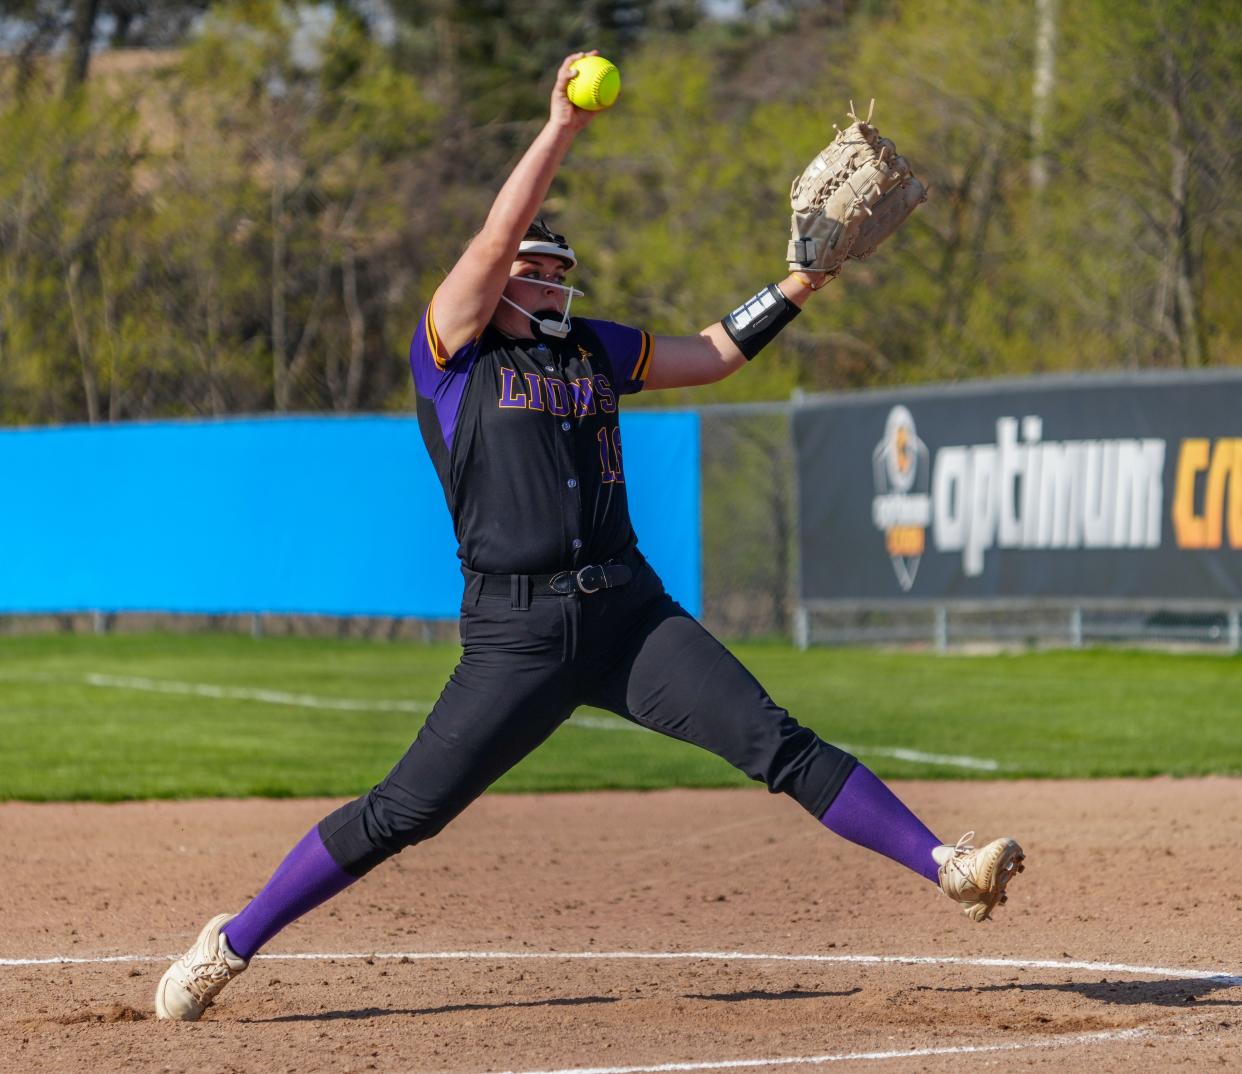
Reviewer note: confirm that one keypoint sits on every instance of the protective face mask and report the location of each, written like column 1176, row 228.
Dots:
column 546, row 322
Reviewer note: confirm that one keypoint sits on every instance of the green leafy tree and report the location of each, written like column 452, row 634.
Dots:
column 326, row 128
column 71, row 288
column 256, row 221
column 1151, row 112
column 491, row 58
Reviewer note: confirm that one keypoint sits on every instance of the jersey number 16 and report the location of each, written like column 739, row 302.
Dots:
column 610, row 456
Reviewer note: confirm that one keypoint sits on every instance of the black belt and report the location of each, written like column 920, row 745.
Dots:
column 589, row 579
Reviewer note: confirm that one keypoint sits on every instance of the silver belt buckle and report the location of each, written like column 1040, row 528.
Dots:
column 582, row 585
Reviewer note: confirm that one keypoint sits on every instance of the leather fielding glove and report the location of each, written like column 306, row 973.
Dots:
column 852, row 196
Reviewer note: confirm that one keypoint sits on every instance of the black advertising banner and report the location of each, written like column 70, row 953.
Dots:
column 1126, row 487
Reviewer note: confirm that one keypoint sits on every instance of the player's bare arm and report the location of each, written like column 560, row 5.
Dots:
column 468, row 297
column 712, row 354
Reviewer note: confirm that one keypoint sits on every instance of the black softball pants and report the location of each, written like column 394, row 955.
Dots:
column 524, row 669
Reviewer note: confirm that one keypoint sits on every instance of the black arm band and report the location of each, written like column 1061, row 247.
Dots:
column 754, row 324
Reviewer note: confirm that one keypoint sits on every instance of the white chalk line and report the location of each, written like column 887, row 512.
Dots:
column 241, row 693
column 273, row 697
column 1215, row 976
column 223, row 693
column 953, row 760
column 1107, row 1036
column 351, row 704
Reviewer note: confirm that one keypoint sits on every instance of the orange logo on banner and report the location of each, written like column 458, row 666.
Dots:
column 902, row 506
column 1199, row 508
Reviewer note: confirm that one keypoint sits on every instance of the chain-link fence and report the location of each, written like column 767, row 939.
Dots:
column 749, row 519
column 1017, row 624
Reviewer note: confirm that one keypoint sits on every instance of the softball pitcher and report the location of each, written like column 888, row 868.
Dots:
column 518, row 405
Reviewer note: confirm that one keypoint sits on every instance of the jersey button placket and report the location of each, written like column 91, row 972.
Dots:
column 572, row 519
column 573, row 512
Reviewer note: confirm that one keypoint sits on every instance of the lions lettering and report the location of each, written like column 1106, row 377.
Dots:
column 555, row 395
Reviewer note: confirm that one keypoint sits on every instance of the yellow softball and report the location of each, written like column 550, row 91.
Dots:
column 595, row 85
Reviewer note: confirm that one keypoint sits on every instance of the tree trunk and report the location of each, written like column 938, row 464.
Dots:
column 81, row 36
column 1179, row 309
column 90, row 380
column 124, row 21
column 971, row 207
column 39, row 41
column 301, row 354
column 115, row 397
column 218, row 403
column 445, row 79
column 988, row 196
column 1041, row 94
column 280, row 367
column 1194, row 344
column 357, row 330
column 209, row 354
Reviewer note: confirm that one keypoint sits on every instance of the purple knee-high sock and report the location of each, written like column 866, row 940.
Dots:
column 307, row 877
column 867, row 813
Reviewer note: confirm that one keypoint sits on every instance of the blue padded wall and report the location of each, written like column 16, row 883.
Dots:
column 335, row 516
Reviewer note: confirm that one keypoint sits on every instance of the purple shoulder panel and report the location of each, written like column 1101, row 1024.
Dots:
column 444, row 384
column 627, row 351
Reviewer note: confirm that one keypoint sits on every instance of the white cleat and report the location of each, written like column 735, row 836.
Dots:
column 197, row 977
column 977, row 878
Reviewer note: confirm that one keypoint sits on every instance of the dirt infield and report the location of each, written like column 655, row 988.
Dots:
column 1144, row 875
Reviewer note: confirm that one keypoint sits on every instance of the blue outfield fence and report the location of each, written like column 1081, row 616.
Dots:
column 310, row 515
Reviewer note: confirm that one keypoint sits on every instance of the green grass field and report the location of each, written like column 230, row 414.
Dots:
column 188, row 716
